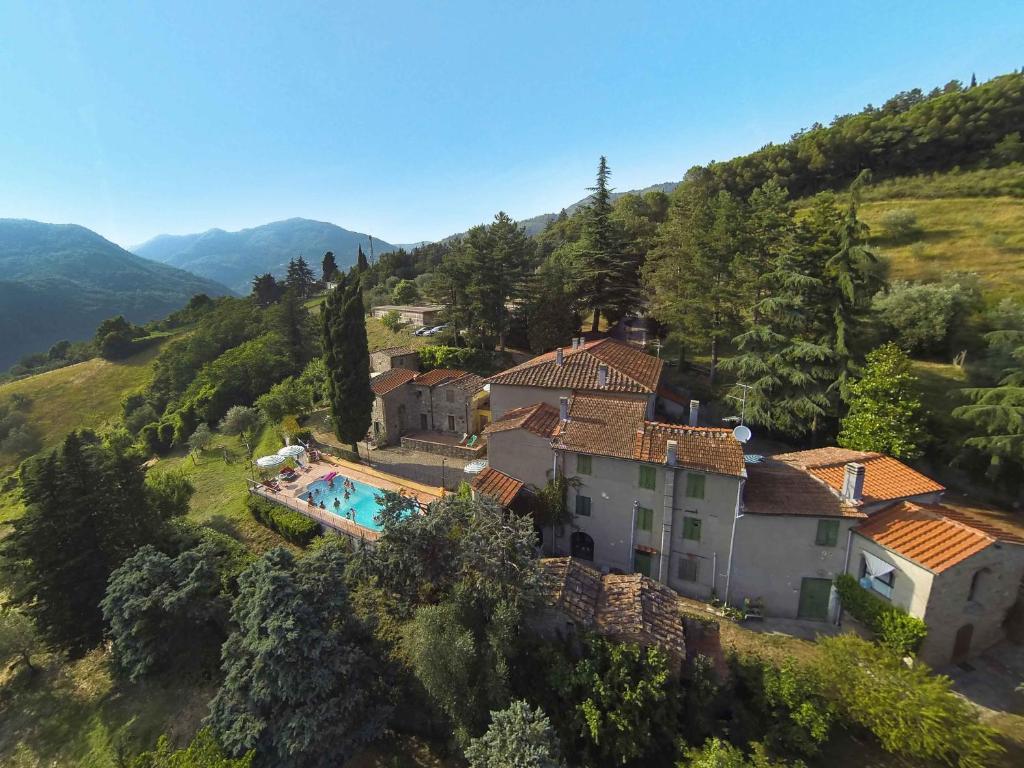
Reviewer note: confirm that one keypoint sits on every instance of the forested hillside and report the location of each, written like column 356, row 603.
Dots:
column 234, row 257
column 59, row 281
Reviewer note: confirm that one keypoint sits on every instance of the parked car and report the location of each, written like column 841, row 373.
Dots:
column 421, row 331
column 435, row 330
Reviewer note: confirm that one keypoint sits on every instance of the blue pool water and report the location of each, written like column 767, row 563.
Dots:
column 362, row 499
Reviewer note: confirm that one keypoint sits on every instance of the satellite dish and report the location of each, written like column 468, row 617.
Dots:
column 742, row 433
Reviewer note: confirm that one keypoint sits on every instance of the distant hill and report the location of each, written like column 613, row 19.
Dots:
column 59, row 281
column 233, row 258
column 536, row 224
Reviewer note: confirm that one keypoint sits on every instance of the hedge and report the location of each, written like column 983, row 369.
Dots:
column 293, row 526
column 894, row 629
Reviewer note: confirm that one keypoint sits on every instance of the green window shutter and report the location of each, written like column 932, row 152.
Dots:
column 694, row 486
column 642, row 563
column 647, row 477
column 828, row 533
column 644, row 519
column 691, row 528
column 583, row 505
column 583, row 464
column 686, row 569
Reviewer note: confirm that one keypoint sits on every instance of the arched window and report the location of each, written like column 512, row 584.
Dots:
column 582, row 546
column 977, row 584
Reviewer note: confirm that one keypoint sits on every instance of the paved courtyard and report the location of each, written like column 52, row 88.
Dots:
column 418, row 466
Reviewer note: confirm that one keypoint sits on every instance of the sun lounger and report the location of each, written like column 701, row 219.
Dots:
column 472, row 441
column 465, row 437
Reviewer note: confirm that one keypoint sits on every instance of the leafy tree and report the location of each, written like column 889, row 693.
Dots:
column 159, row 607
column 392, row 321
column 361, row 263
column 87, row 509
column 289, row 396
column 114, row 338
column 202, row 752
column 910, row 710
column 347, row 357
column 169, row 493
column 405, row 292
column 611, row 281
column 900, row 223
column 619, row 703
column 328, row 267
column 200, row 438
column 721, row 754
column 241, row 420
column 18, row 638
column 266, row 290
column 884, row 406
column 922, row 316
column 1009, row 149
column 299, row 278
column 300, row 687
column 518, row 737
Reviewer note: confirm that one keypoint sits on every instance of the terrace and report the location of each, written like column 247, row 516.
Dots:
column 290, row 493
column 445, row 444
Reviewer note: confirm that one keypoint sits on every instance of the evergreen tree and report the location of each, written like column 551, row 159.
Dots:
column 328, row 267
column 611, row 278
column 518, row 737
column 265, row 289
column 347, row 357
column 296, row 326
column 87, row 509
column 299, row 278
column 300, row 687
column 884, row 406
column 361, row 262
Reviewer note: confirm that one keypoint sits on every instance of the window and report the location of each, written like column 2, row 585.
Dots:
column 647, row 477
column 581, row 545
column 644, row 518
column 694, row 486
column 583, row 505
column 686, row 569
column 828, row 533
column 977, row 580
column 691, row 528
column 877, row 575
column 423, row 421
column 451, row 423
column 642, row 563
column 584, row 465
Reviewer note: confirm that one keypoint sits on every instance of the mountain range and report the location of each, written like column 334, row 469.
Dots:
column 233, row 258
column 59, row 281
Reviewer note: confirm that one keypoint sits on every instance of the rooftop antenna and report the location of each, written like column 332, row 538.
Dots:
column 742, row 399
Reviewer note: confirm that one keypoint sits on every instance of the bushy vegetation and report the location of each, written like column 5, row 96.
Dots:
column 895, row 630
column 439, row 356
column 293, row 526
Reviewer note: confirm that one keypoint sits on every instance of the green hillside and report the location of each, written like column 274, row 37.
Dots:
column 59, row 281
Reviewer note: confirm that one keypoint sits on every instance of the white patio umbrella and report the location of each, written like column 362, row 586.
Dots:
column 296, row 452
column 269, row 462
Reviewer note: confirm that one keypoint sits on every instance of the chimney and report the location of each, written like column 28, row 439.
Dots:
column 694, row 413
column 671, row 452
column 853, row 482
column 602, row 375
column 559, row 356
column 579, row 344
column 563, row 408
column 575, row 343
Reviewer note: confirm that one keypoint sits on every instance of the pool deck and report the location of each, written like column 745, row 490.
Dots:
column 290, row 492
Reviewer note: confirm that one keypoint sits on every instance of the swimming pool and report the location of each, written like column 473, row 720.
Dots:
column 362, row 500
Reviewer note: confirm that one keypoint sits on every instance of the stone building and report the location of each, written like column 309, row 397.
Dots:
column 394, row 357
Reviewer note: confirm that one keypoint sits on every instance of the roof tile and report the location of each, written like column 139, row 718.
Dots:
column 499, row 486
column 437, row 376
column 389, row 381
column 885, row 478
column 781, row 488
column 540, row 418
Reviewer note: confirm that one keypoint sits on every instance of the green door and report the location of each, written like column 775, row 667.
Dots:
column 814, row 599
column 642, row 563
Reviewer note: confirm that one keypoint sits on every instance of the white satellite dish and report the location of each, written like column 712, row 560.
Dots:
column 742, row 433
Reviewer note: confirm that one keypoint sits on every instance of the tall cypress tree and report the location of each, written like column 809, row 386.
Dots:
column 361, row 262
column 347, row 358
column 329, row 267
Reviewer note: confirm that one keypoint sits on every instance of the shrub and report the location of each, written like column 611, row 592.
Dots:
column 293, row 526
column 392, row 321
column 894, row 629
column 440, row 356
column 900, row 223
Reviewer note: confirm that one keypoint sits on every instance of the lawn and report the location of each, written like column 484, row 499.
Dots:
column 82, row 395
column 965, row 234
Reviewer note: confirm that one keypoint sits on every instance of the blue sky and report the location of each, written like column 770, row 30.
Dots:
column 415, row 120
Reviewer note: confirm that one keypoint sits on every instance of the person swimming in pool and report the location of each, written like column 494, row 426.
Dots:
column 309, row 499
column 347, row 494
column 352, row 513
column 322, row 505
column 337, row 504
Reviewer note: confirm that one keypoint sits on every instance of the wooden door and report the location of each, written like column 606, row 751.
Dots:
column 962, row 644
column 814, row 595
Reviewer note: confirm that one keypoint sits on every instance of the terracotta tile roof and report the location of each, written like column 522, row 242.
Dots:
column 667, row 393
column 540, row 418
column 389, row 381
column 629, row 369
column 469, row 383
column 781, row 488
column 438, row 375
column 701, row 448
column 614, row 425
column 885, row 478
column 499, row 486
column 629, row 608
column 395, row 351
column 930, row 535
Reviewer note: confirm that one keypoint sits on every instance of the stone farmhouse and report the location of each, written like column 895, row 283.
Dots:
column 394, row 357
column 685, row 506
column 444, row 400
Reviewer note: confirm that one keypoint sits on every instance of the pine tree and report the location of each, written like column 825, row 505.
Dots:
column 265, row 289
column 361, row 262
column 299, row 278
column 612, row 277
column 347, row 357
column 293, row 321
column 329, row 267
